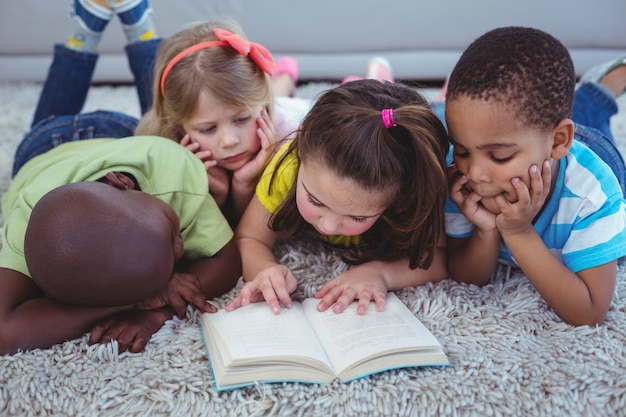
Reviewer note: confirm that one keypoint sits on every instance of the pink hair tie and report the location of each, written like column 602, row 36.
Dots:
column 388, row 120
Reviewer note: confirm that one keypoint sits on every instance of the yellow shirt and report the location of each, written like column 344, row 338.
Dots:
column 272, row 198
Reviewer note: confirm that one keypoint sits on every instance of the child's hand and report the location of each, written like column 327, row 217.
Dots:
column 131, row 329
column 349, row 286
column 179, row 290
column 273, row 285
column 469, row 202
column 518, row 217
column 249, row 172
column 194, row 147
column 219, row 183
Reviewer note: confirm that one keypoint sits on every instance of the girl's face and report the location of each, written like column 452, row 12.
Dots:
column 491, row 147
column 335, row 205
column 229, row 134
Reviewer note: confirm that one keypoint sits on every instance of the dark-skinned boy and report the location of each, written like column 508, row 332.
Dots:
column 123, row 234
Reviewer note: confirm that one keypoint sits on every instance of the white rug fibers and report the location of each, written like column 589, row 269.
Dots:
column 509, row 354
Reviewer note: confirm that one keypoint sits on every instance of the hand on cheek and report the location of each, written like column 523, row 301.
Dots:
column 196, row 149
column 517, row 217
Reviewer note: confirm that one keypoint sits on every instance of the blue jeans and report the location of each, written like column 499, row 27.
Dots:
column 69, row 78
column 593, row 107
column 53, row 131
column 57, row 116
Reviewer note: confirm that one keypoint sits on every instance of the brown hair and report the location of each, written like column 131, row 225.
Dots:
column 344, row 131
column 231, row 78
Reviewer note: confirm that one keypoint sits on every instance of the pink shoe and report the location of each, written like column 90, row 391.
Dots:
column 351, row 78
column 287, row 65
column 378, row 68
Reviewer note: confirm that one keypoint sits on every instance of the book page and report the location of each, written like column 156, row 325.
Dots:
column 253, row 333
column 350, row 338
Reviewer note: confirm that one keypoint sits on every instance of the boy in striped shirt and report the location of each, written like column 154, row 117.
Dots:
column 525, row 188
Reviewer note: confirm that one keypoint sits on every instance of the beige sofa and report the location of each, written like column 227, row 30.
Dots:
column 330, row 38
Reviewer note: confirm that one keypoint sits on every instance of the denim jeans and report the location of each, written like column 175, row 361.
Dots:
column 593, row 107
column 69, row 78
column 55, row 130
column 57, row 117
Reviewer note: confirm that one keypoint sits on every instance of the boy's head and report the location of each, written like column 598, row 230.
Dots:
column 94, row 244
column 508, row 105
column 524, row 68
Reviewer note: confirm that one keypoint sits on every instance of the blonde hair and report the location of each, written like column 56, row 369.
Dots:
column 230, row 78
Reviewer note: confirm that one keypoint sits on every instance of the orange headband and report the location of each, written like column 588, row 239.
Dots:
column 259, row 54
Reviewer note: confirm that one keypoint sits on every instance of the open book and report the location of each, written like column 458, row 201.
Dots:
column 253, row 345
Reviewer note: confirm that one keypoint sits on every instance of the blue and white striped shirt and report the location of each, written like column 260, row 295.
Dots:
column 584, row 222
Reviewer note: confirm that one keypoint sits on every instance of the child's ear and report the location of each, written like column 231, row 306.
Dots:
column 120, row 181
column 563, row 135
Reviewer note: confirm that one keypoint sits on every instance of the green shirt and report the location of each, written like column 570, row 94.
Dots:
column 161, row 167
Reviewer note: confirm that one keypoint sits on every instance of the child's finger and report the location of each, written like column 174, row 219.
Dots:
column 272, row 300
column 234, row 304
column 546, row 176
column 139, row 343
column 179, row 305
column 380, row 299
column 186, row 140
column 523, row 193
column 536, row 183
column 97, row 332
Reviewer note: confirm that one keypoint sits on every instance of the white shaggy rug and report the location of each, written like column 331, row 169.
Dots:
column 509, row 354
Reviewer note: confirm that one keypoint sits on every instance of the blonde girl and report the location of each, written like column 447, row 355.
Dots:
column 213, row 95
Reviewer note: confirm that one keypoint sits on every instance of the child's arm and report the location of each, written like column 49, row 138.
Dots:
column 245, row 178
column 475, row 259
column 472, row 260
column 265, row 278
column 28, row 320
column 579, row 299
column 370, row 281
column 219, row 273
column 133, row 329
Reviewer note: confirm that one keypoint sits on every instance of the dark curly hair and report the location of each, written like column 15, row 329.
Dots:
column 522, row 67
column 344, row 131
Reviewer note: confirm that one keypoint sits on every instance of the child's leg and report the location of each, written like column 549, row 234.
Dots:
column 378, row 68
column 593, row 106
column 54, row 131
column 69, row 76
column 136, row 19
column 67, row 83
column 90, row 18
column 597, row 89
column 285, row 78
column 141, row 59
